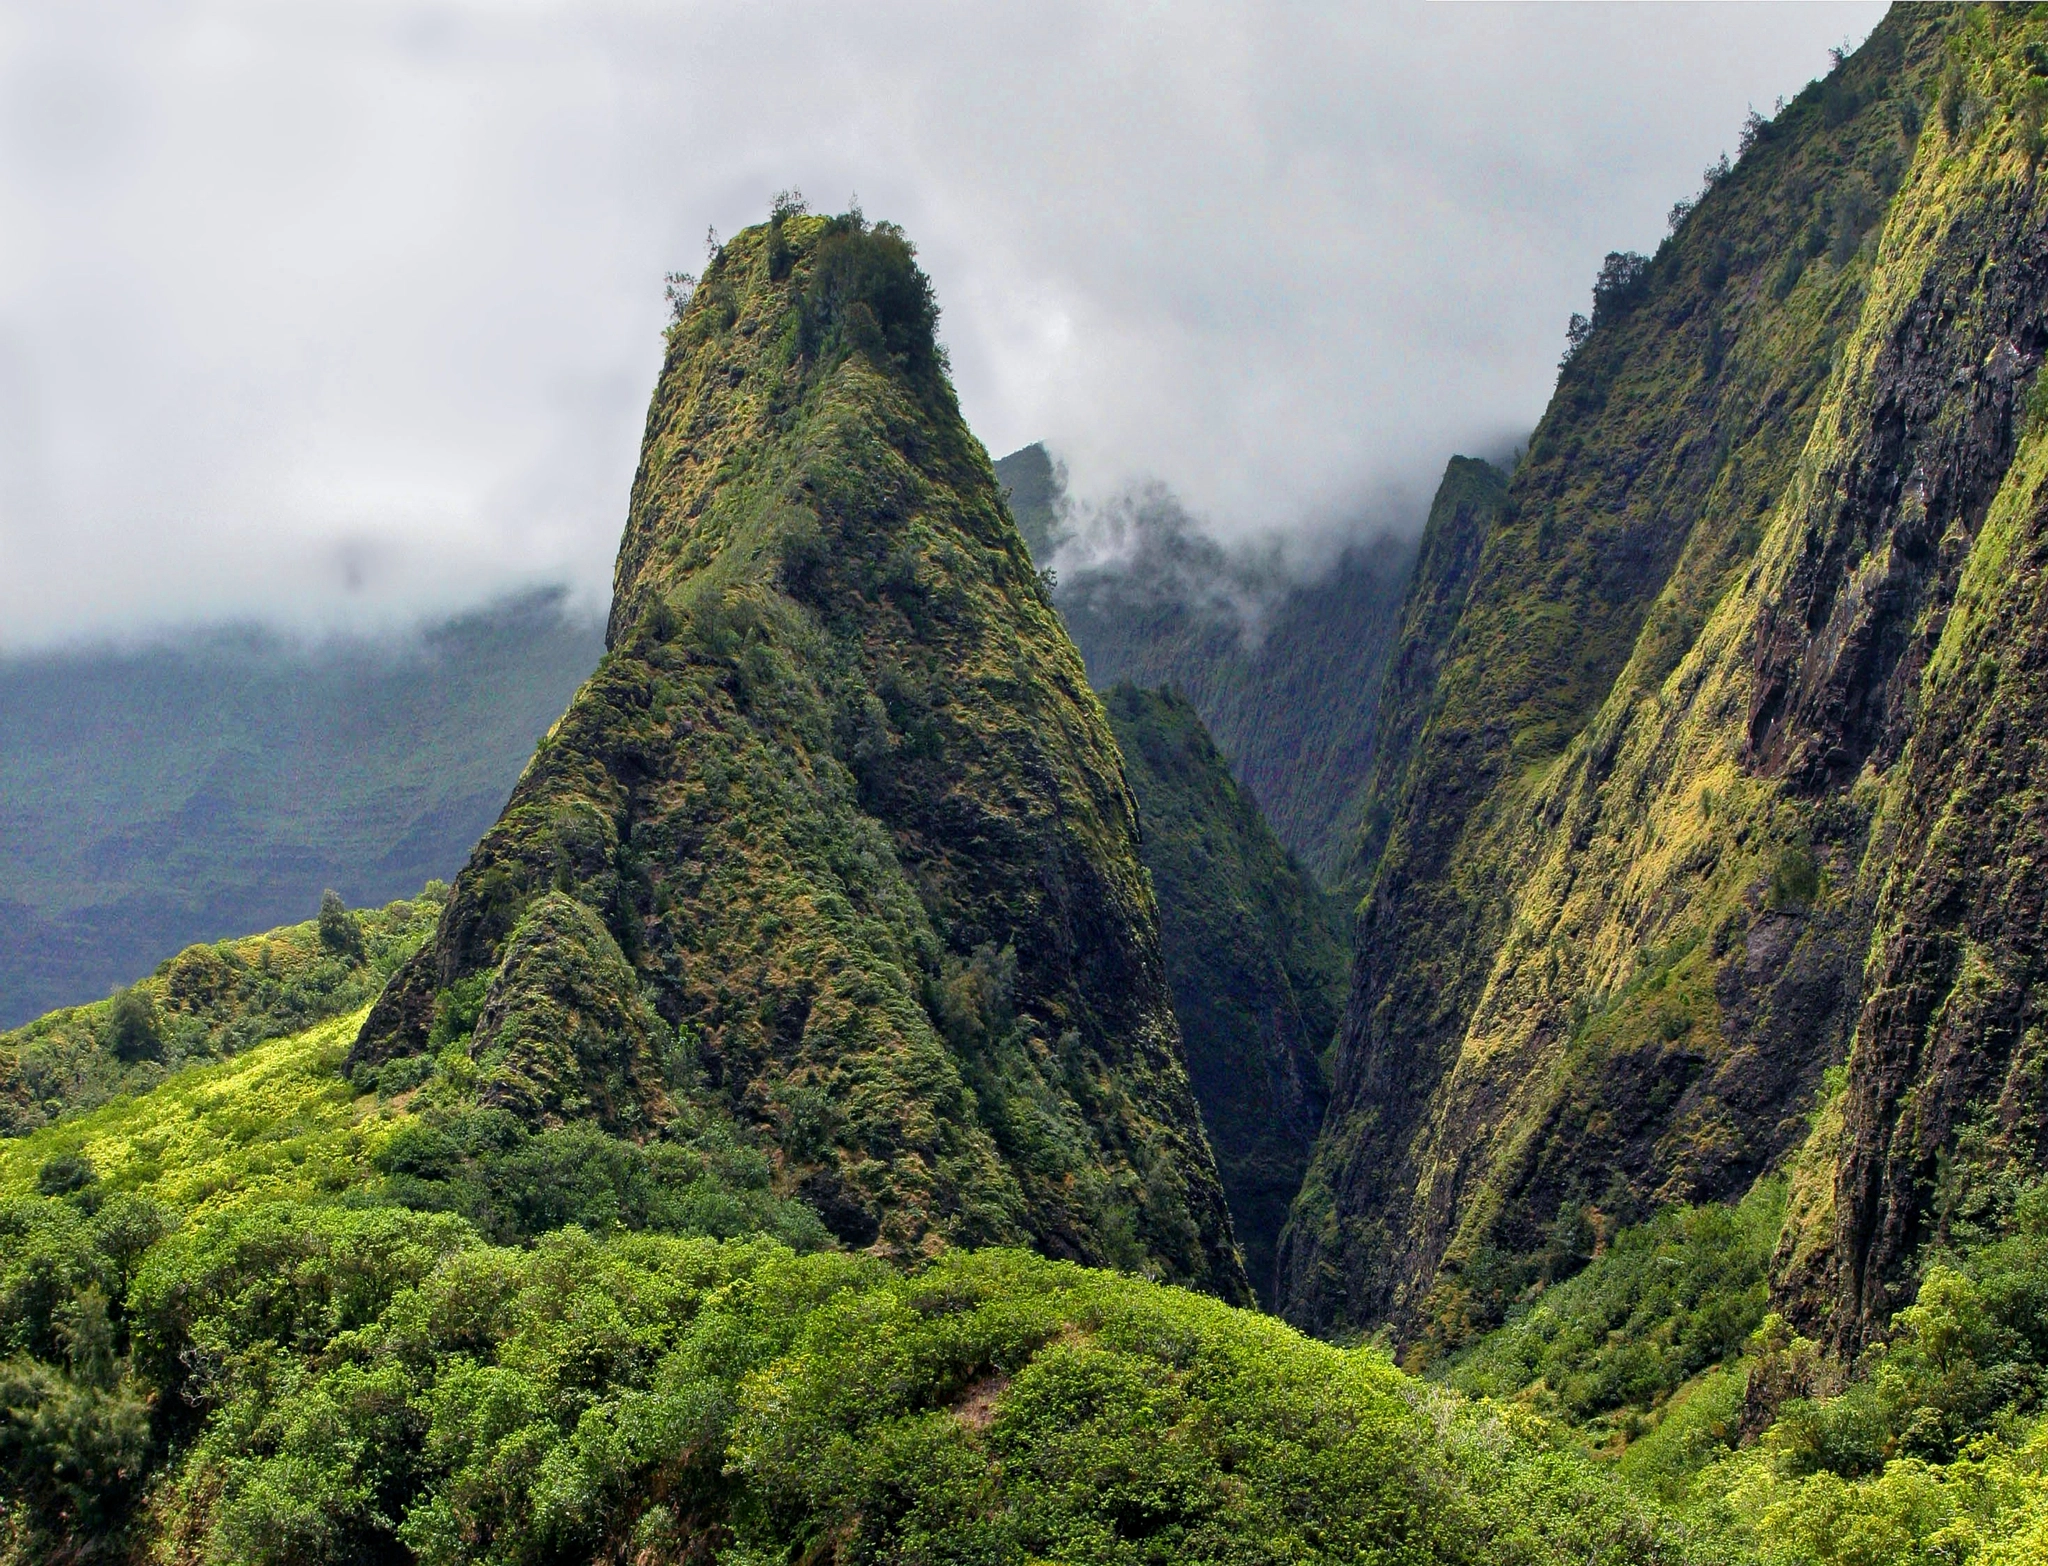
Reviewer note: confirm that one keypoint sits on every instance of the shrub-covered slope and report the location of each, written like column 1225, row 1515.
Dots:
column 1255, row 957
column 837, row 837
column 1283, row 669
column 202, row 786
column 206, row 1003
column 1743, row 666
column 244, row 1322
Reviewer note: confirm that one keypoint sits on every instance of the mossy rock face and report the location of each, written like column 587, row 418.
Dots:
column 841, row 796
column 1255, row 955
column 564, row 1033
column 1639, row 844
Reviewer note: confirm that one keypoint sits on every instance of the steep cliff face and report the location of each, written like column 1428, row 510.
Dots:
column 1255, row 957
column 1616, row 929
column 1469, row 501
column 840, row 802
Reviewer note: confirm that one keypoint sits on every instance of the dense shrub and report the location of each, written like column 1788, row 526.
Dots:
column 339, row 931
column 132, row 1032
column 657, row 1397
column 1666, row 1300
column 514, row 1184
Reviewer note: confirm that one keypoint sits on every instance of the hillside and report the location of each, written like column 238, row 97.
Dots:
column 206, row 1003
column 259, row 1315
column 1282, row 666
column 836, row 841
column 203, row 786
column 1256, row 958
column 1716, row 784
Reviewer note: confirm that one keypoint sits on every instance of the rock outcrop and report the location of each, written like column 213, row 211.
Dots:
column 1721, row 778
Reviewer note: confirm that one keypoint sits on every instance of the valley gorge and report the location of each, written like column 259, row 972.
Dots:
column 1527, row 1043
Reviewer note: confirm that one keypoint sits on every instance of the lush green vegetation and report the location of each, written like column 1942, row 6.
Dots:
column 210, row 784
column 1663, row 1358
column 256, row 1315
column 264, row 1312
column 206, row 1003
column 1663, row 1301
column 1255, row 955
column 1684, row 797
column 836, row 843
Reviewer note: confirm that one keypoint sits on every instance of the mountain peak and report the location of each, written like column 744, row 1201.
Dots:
column 842, row 801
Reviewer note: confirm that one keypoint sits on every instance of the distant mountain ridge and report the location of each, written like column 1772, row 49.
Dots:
column 1283, row 670
column 205, row 786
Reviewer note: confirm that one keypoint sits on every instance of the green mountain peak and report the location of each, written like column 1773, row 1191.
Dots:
column 840, row 805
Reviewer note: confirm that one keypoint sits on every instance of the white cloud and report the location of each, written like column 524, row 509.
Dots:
column 334, row 310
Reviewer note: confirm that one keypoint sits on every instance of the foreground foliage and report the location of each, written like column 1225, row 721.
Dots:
column 1930, row 1448
column 231, row 1336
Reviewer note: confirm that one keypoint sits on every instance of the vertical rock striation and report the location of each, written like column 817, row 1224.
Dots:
column 1723, row 774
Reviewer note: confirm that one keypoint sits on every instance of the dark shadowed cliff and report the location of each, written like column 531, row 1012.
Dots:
column 1255, row 957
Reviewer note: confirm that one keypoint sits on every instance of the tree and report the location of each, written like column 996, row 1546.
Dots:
column 339, row 931
column 1620, row 283
column 132, row 1026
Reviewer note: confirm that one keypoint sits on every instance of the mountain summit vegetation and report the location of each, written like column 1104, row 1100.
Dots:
column 836, row 839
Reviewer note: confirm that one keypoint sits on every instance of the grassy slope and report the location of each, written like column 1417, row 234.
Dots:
column 1255, row 956
column 200, row 787
column 853, row 824
column 204, row 1003
column 277, row 1123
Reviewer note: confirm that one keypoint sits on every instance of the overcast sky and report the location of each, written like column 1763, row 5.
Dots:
column 333, row 313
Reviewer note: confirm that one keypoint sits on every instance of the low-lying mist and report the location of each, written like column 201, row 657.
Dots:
column 198, row 784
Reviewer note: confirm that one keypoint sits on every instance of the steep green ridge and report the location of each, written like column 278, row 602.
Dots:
column 206, row 1003
column 1614, row 932
column 208, row 784
column 836, row 841
column 1573, row 983
column 1283, row 670
column 1255, row 957
column 1035, row 489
